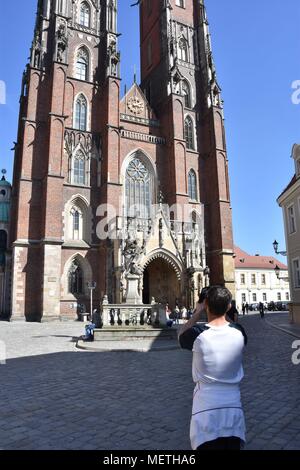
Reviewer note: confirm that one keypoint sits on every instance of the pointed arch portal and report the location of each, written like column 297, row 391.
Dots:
column 161, row 281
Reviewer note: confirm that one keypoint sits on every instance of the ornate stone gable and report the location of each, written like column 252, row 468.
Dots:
column 135, row 105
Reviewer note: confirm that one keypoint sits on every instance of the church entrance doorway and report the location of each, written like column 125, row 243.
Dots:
column 161, row 282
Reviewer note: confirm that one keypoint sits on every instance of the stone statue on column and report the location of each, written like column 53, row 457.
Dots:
column 61, row 42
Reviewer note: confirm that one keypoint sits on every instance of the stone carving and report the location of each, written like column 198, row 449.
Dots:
column 135, row 105
column 89, row 144
column 161, row 198
column 36, row 53
column 136, row 269
column 62, row 42
column 113, row 57
column 131, row 253
column 176, row 79
column 161, row 233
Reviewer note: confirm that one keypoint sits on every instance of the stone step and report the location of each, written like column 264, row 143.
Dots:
column 133, row 346
column 130, row 333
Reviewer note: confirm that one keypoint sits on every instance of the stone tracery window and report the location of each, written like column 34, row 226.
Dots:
column 79, row 169
column 138, row 189
column 77, row 224
column 189, row 133
column 75, row 279
column 192, row 186
column 85, row 15
column 81, row 113
column 77, row 221
column 186, row 91
column 183, row 49
column 82, row 64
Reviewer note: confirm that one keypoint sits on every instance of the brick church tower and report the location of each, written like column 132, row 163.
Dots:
column 109, row 189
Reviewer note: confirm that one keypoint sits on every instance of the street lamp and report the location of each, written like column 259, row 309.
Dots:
column 92, row 286
column 275, row 246
column 277, row 272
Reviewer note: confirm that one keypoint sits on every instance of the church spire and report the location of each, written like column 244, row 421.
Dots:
column 207, row 61
column 37, row 51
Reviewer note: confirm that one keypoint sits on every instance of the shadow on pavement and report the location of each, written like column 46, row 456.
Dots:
column 96, row 401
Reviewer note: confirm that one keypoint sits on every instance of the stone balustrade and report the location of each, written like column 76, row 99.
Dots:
column 122, row 316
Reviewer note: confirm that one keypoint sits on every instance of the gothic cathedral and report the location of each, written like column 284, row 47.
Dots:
column 110, row 189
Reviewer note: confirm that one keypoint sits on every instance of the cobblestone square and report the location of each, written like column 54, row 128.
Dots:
column 56, row 397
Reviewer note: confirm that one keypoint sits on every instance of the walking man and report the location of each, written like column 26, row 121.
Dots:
column 217, row 421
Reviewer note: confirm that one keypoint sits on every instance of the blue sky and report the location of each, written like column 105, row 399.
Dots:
column 256, row 48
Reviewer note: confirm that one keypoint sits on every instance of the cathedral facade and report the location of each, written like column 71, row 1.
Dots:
column 106, row 187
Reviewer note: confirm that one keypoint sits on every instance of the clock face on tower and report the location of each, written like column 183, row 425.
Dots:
column 135, row 105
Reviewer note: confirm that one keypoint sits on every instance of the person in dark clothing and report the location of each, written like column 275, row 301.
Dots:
column 247, row 308
column 261, row 310
column 233, row 314
column 244, row 308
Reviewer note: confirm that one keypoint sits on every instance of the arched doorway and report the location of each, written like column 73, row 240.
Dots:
column 161, row 282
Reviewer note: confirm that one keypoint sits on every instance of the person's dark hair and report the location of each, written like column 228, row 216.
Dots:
column 203, row 294
column 218, row 300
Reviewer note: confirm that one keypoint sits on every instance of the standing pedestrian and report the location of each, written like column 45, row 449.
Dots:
column 190, row 313
column 176, row 314
column 247, row 308
column 217, row 417
column 233, row 313
column 184, row 314
column 244, row 308
column 169, row 321
column 262, row 310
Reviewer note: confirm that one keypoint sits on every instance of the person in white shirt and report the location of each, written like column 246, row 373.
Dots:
column 184, row 314
column 217, row 421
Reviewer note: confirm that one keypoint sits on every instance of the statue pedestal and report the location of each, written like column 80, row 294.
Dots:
column 132, row 294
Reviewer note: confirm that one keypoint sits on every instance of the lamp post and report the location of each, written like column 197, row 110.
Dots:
column 275, row 246
column 92, row 286
column 277, row 272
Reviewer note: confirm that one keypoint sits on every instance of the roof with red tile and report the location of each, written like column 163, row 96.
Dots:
column 244, row 260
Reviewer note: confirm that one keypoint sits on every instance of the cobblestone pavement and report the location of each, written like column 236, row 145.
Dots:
column 55, row 397
column 281, row 320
